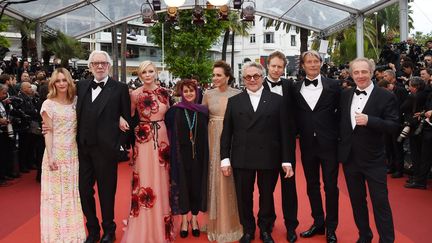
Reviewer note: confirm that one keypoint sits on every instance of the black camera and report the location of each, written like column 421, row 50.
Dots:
column 422, row 122
column 19, row 119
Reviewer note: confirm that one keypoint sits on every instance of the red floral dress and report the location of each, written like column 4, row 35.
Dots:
column 150, row 215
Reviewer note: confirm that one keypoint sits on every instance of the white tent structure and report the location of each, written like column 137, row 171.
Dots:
column 79, row 18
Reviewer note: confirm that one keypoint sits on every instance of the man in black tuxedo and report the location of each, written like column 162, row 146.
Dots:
column 316, row 104
column 276, row 63
column 367, row 114
column 101, row 103
column 255, row 143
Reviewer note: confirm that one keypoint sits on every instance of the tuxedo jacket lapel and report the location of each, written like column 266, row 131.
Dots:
column 261, row 107
column 245, row 102
column 348, row 107
column 104, row 95
column 300, row 99
column 325, row 89
column 372, row 100
column 82, row 93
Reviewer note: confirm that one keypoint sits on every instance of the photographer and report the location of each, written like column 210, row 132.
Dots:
column 414, row 51
column 6, row 140
column 27, row 132
column 421, row 173
column 414, row 103
column 394, row 150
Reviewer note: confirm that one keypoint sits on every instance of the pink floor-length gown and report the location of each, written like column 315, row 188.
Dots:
column 61, row 215
column 150, row 218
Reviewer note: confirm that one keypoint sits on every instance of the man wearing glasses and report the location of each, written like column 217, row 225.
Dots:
column 101, row 103
column 255, row 143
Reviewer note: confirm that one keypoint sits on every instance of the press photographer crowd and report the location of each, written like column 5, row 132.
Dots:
column 404, row 69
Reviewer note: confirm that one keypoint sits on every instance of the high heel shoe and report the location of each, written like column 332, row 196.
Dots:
column 184, row 233
column 195, row 232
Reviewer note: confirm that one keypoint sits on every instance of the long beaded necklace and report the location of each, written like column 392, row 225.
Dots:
column 192, row 136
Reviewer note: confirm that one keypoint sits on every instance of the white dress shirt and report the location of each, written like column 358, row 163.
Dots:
column 96, row 92
column 358, row 103
column 311, row 93
column 276, row 89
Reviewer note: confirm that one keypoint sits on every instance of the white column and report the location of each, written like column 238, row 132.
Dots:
column 38, row 37
column 403, row 19
column 360, row 35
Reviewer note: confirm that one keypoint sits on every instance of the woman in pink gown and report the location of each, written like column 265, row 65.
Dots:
column 150, row 218
column 61, row 216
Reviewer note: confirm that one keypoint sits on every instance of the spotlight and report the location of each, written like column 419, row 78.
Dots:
column 198, row 16
column 172, row 14
column 237, row 4
column 147, row 13
column 156, row 5
column 248, row 11
column 223, row 12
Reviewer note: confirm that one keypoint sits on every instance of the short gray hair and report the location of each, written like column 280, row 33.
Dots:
column 108, row 58
column 311, row 53
column 255, row 65
column 390, row 72
column 362, row 59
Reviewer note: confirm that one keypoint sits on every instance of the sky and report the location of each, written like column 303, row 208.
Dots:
column 422, row 16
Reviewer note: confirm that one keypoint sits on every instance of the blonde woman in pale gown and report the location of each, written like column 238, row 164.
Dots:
column 223, row 218
column 61, row 215
column 150, row 218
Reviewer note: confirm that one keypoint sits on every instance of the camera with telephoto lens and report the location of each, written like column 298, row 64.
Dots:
column 422, row 122
column 405, row 132
column 19, row 119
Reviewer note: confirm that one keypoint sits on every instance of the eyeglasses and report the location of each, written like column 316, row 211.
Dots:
column 96, row 64
column 255, row 77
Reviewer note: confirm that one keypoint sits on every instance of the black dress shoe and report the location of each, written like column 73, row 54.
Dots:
column 397, row 174
column 92, row 238
column 108, row 238
column 266, row 237
column 247, row 238
column 415, row 185
column 313, row 230
column 360, row 240
column 331, row 236
column 184, row 233
column 291, row 236
column 195, row 232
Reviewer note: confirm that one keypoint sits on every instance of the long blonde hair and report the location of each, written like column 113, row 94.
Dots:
column 52, row 91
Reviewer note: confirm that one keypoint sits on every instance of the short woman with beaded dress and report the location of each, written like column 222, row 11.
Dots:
column 61, row 215
column 187, row 129
column 223, row 217
column 150, row 217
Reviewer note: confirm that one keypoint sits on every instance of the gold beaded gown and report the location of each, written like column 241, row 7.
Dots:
column 223, row 218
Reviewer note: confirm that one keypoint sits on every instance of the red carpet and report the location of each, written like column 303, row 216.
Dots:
column 412, row 211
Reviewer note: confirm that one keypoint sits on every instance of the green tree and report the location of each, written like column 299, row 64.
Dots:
column 63, row 47
column 235, row 27
column 4, row 42
column 187, row 45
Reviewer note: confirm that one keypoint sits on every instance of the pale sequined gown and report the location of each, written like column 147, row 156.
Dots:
column 61, row 215
column 223, row 219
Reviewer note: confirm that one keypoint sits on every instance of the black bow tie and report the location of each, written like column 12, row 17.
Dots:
column 314, row 82
column 94, row 84
column 359, row 92
column 273, row 84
